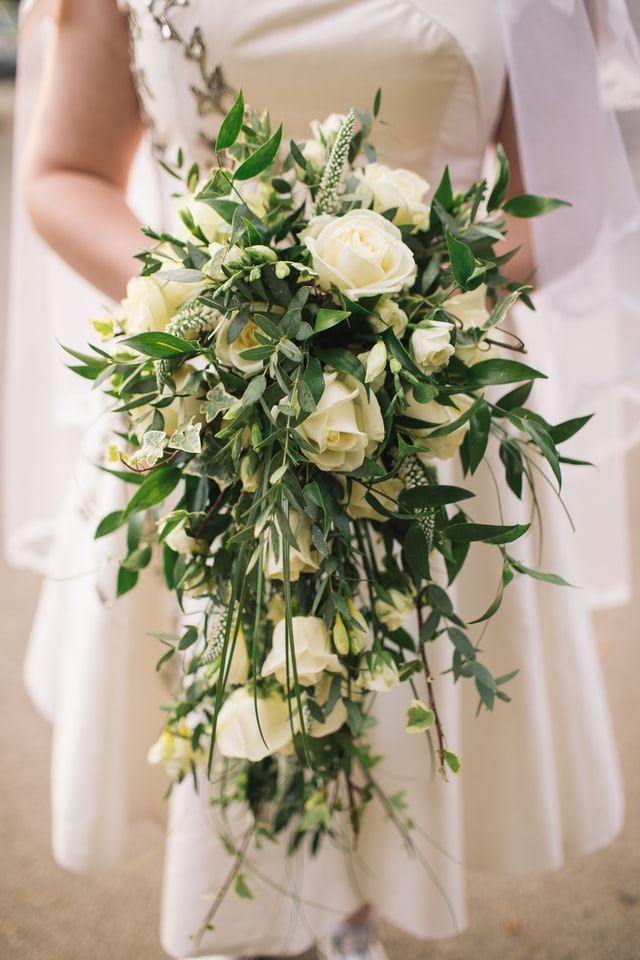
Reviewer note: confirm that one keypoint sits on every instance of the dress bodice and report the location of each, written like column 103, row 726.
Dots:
column 440, row 67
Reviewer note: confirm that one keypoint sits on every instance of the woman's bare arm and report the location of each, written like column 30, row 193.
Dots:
column 521, row 267
column 82, row 144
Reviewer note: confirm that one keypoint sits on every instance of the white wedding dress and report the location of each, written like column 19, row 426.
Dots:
column 539, row 776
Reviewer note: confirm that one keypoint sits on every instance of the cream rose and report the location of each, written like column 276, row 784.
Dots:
column 470, row 312
column 238, row 733
column 361, row 254
column 345, row 427
column 303, row 558
column 229, row 354
column 325, row 131
column 334, row 720
column 394, row 611
column 152, row 302
column 174, row 413
column 395, row 189
column 311, row 648
column 437, row 415
column 431, row 346
column 390, row 315
column 386, row 491
column 214, row 228
column 380, row 673
column 174, row 751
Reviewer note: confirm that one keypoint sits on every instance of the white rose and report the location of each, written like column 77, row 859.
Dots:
column 376, row 363
column 380, row 674
column 229, row 353
column 361, row 253
column 470, row 312
column 315, row 153
column 249, row 476
column 180, row 541
column 214, row 228
column 431, row 346
column 437, row 415
column 386, row 491
column 395, row 189
column 311, row 648
column 326, row 130
column 345, row 427
column 303, row 558
column 394, row 611
column 238, row 733
column 174, row 413
column 175, row 752
column 390, row 315
column 338, row 716
column 152, row 302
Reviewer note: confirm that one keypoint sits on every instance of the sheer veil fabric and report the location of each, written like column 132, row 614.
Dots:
column 561, row 794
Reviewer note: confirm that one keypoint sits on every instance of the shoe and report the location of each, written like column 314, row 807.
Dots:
column 353, row 942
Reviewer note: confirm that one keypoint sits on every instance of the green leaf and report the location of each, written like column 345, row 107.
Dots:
column 452, row 761
column 188, row 638
column 563, row 431
column 419, row 717
column 528, row 205
column 138, row 559
column 314, row 379
column 462, row 643
column 538, row 574
column 254, row 391
column 159, row 345
column 443, row 197
column 343, row 360
column 515, row 398
column 499, row 189
column 511, row 457
column 432, row 496
column 231, row 125
column 492, row 533
column 240, row 887
column 109, row 523
column 478, row 436
column 155, row 488
column 325, row 319
column 542, row 439
column 463, row 262
column 495, row 372
column 126, row 581
column 261, row 159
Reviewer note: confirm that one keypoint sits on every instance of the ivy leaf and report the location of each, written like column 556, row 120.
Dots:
column 419, row 717
column 186, row 437
column 218, row 401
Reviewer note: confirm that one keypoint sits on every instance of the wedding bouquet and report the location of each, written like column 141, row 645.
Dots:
column 287, row 373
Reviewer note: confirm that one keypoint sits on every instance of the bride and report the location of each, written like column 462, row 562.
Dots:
column 540, row 778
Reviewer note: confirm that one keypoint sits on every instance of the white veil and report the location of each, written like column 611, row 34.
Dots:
column 569, row 62
column 570, row 65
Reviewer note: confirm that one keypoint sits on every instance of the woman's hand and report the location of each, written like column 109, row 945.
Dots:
column 85, row 134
